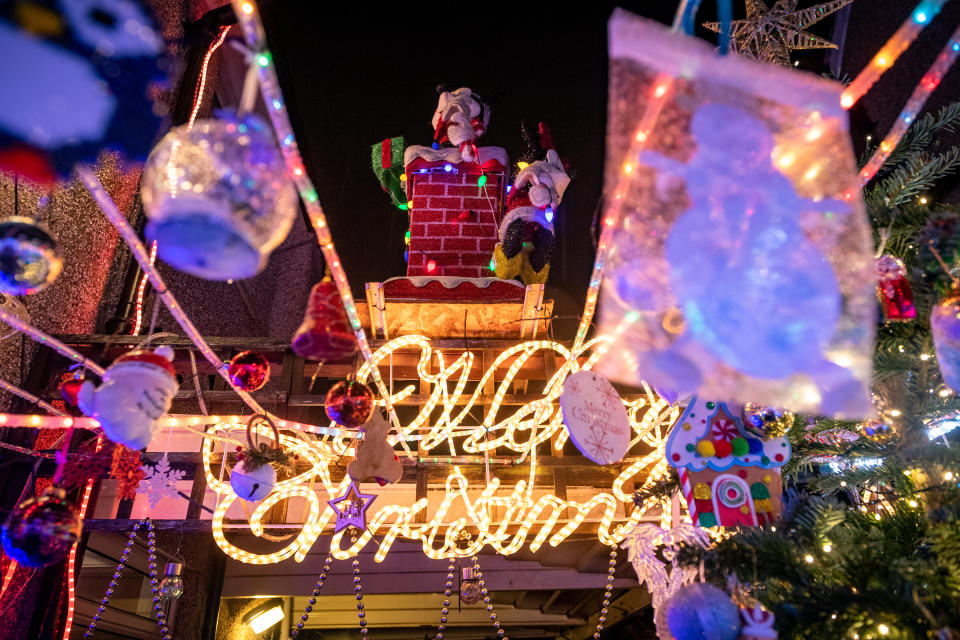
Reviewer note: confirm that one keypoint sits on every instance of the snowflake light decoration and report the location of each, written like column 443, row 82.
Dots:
column 160, row 481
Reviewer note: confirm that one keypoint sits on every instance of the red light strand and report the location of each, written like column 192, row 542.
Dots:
column 197, row 101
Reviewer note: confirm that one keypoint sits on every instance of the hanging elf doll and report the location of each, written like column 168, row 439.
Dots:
column 526, row 231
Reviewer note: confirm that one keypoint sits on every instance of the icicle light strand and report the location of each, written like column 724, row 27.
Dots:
column 928, row 83
column 26, row 395
column 249, row 20
column 920, row 17
column 197, row 102
column 662, row 88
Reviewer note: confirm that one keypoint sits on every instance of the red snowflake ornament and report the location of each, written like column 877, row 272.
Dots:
column 128, row 470
column 87, row 464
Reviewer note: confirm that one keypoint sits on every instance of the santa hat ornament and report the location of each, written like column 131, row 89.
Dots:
column 460, row 119
column 136, row 391
column 757, row 624
column 526, row 231
column 325, row 333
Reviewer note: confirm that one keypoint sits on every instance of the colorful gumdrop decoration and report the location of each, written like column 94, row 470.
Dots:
column 729, row 472
column 217, row 197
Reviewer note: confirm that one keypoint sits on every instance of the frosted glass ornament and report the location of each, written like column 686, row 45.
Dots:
column 945, row 326
column 217, row 198
column 740, row 263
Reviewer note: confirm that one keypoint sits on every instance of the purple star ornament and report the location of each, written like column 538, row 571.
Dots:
column 353, row 510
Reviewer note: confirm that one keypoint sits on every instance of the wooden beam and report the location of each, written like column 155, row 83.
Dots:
column 550, row 600
column 590, row 556
column 377, row 305
column 620, row 607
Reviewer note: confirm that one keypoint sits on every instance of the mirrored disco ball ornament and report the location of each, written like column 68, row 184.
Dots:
column 470, row 592
column 41, row 530
column 15, row 308
column 217, row 197
column 30, row 257
column 249, row 370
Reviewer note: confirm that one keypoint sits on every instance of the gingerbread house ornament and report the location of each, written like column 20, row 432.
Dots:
column 730, row 476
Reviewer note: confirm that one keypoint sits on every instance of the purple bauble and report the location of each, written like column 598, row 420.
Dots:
column 349, row 403
column 249, row 370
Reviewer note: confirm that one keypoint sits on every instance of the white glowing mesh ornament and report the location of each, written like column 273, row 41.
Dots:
column 217, row 197
column 740, row 263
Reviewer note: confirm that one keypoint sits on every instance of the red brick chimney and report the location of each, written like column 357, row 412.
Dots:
column 454, row 220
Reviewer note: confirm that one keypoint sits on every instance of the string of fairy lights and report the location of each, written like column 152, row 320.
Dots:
column 536, row 422
column 519, row 511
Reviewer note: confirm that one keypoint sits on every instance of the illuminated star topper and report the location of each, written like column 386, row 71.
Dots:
column 354, row 512
column 770, row 34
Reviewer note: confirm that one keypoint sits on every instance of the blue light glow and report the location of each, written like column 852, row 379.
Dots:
column 549, row 214
column 448, row 167
column 920, row 17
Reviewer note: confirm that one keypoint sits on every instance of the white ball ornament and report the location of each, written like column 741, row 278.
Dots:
column 703, row 612
column 217, row 197
column 254, row 484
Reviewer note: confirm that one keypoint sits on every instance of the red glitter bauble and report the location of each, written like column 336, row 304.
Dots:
column 349, row 403
column 249, row 370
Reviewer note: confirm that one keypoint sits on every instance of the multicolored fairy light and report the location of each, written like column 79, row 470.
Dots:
column 197, row 102
column 896, row 45
column 930, row 80
column 270, row 89
column 661, row 91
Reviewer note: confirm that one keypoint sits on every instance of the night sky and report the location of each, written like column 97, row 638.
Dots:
column 353, row 79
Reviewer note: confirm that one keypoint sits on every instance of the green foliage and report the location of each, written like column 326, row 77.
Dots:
column 870, row 548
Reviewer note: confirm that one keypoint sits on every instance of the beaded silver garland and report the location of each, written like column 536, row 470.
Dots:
column 358, row 589
column 154, row 582
column 313, row 600
column 607, row 593
column 451, row 567
column 478, row 574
